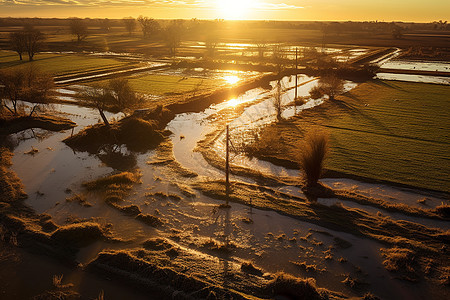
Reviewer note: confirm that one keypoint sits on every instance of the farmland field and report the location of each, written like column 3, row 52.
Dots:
column 392, row 131
column 58, row 64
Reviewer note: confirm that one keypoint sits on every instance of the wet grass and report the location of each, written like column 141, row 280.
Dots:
column 11, row 188
column 122, row 180
column 391, row 131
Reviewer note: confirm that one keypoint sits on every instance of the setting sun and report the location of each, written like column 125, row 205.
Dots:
column 234, row 9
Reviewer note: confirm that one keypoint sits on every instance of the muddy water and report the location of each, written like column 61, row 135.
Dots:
column 49, row 174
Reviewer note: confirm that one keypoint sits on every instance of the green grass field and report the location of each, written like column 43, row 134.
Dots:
column 58, row 64
column 160, row 85
column 394, row 131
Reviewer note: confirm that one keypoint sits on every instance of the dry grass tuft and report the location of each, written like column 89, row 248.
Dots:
column 399, row 259
column 122, row 180
column 80, row 199
column 215, row 245
column 312, row 156
column 307, row 268
column 294, row 287
column 150, row 220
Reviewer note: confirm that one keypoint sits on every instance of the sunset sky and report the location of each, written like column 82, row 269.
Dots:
column 387, row 10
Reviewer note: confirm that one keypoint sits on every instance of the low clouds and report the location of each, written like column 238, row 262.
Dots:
column 256, row 4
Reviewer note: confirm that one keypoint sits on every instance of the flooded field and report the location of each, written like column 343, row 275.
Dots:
column 174, row 214
column 55, row 172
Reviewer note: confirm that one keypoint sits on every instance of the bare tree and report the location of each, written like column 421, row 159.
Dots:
column 330, row 85
column 105, row 25
column 25, row 84
column 18, row 42
column 34, row 39
column 117, row 95
column 279, row 57
column 278, row 101
column 211, row 43
column 173, row 33
column 100, row 98
column 79, row 28
column 130, row 24
column 149, row 26
column 124, row 98
column 262, row 48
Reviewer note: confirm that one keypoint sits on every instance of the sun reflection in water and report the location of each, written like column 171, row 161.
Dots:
column 231, row 79
column 233, row 102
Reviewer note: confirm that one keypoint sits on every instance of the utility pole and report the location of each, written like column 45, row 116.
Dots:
column 227, row 165
column 296, row 71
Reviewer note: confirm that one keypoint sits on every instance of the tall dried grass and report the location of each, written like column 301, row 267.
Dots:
column 312, row 156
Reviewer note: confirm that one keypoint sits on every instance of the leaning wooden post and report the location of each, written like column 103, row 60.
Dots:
column 227, row 166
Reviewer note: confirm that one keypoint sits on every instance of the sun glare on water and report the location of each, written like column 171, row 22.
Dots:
column 234, row 9
column 233, row 102
column 231, row 79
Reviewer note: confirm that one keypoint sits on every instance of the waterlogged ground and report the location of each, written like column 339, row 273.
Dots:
column 331, row 256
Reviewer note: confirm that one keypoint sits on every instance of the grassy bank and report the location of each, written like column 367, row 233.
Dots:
column 393, row 131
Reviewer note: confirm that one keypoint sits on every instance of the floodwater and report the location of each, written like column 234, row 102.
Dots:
column 390, row 62
column 56, row 171
column 414, row 78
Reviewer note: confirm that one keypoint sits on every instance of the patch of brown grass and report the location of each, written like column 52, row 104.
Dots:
column 123, row 180
column 399, row 259
column 11, row 188
column 79, row 234
column 294, row 288
column 80, row 199
column 214, row 245
column 150, row 220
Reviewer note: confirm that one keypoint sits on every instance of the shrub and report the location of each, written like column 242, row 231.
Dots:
column 293, row 287
column 312, row 156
